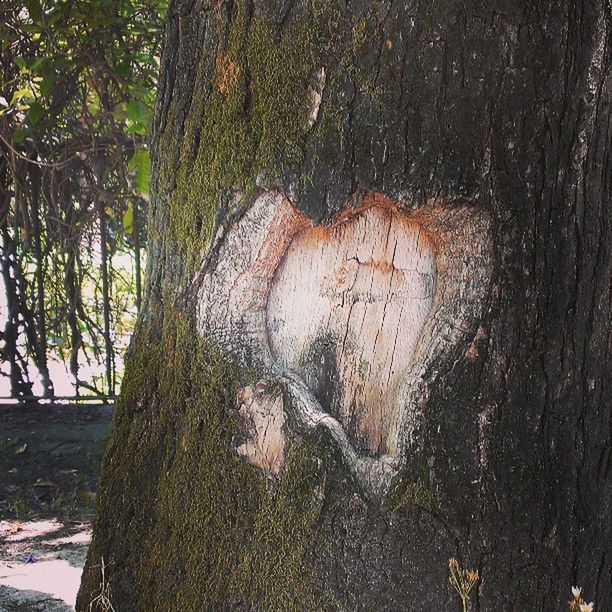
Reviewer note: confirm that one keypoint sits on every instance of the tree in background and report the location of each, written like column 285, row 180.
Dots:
column 77, row 82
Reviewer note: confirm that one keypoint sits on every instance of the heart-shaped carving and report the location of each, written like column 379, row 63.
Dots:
column 345, row 310
column 353, row 321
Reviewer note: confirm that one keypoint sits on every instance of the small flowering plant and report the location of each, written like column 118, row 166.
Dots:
column 462, row 581
column 577, row 604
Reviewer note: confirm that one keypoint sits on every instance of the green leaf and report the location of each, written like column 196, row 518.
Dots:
column 122, row 69
column 38, row 64
column 35, row 113
column 31, row 29
column 128, row 219
column 137, row 127
column 20, row 134
column 139, row 164
column 47, row 84
column 137, row 111
column 20, row 61
column 20, row 93
column 54, row 18
column 35, row 10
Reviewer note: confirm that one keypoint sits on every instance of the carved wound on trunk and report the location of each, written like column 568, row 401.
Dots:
column 353, row 321
column 263, row 421
column 346, row 308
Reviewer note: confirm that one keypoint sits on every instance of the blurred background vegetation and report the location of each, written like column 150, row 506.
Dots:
column 77, row 89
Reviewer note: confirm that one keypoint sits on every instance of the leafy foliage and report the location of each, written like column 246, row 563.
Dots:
column 77, row 88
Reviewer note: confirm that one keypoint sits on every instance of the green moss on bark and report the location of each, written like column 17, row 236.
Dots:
column 251, row 117
column 182, row 522
column 414, row 493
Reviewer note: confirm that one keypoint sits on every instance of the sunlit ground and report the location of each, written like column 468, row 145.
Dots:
column 62, row 380
column 40, row 564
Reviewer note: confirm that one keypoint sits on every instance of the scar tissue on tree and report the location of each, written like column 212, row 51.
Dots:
column 351, row 320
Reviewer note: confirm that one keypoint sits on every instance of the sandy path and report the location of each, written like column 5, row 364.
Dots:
column 40, row 564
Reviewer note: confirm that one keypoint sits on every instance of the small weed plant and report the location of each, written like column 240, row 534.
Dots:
column 462, row 580
column 101, row 602
column 577, row 604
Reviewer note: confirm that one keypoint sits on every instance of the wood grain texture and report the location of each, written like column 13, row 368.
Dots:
column 346, row 308
column 263, row 421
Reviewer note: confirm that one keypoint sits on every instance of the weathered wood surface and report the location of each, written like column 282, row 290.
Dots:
column 346, row 309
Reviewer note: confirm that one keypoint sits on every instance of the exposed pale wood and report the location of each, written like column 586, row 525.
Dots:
column 234, row 288
column 263, row 421
column 316, row 96
column 348, row 307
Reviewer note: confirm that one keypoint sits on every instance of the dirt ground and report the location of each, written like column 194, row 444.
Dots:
column 50, row 459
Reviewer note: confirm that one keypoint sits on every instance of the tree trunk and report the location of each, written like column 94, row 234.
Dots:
column 40, row 306
column 18, row 372
column 376, row 331
column 108, row 342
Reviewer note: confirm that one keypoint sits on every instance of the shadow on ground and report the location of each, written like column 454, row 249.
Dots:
column 19, row 600
column 49, row 465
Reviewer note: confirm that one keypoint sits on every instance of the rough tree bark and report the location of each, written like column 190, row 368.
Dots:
column 376, row 332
